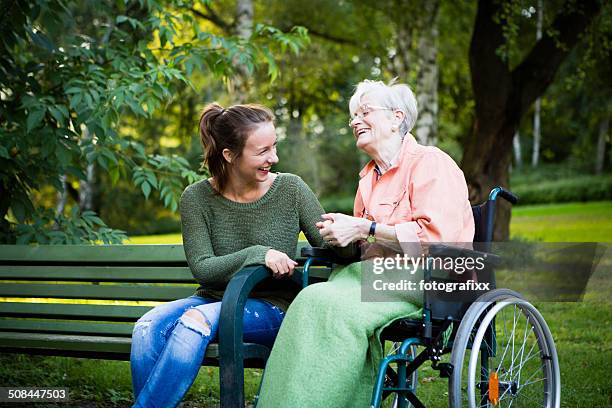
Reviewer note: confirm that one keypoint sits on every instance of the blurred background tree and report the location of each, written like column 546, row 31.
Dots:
column 77, row 77
column 476, row 68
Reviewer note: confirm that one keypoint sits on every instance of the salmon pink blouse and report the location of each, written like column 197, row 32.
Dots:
column 424, row 195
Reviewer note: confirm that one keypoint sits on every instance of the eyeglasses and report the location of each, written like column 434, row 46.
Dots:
column 365, row 111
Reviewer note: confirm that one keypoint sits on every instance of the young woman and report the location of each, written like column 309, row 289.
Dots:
column 243, row 215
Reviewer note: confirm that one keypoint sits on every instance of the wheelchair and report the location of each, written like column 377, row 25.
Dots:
column 501, row 350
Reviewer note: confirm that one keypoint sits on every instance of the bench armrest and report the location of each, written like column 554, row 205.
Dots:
column 439, row 250
column 328, row 255
column 231, row 352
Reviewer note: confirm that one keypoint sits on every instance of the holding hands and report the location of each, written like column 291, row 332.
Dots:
column 279, row 263
column 341, row 230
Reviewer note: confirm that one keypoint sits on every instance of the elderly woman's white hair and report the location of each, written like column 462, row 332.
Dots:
column 395, row 96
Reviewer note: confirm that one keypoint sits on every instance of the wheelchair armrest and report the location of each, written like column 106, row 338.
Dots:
column 328, row 255
column 447, row 251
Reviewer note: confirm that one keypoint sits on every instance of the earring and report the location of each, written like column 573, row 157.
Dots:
column 394, row 128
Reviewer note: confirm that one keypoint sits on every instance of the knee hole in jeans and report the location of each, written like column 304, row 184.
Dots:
column 200, row 319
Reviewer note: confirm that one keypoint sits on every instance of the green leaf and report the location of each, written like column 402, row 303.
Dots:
column 102, row 161
column 76, row 99
column 63, row 154
column 146, row 189
column 113, row 171
column 73, row 90
column 167, row 200
column 25, row 238
column 41, row 40
column 77, row 172
column 57, row 114
column 34, row 118
column 152, row 179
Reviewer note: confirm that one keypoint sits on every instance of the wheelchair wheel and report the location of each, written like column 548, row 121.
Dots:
column 464, row 338
column 515, row 364
column 412, row 380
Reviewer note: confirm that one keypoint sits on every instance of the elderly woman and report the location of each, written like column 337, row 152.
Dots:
column 327, row 351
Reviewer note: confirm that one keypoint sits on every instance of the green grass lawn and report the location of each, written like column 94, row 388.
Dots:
column 582, row 331
column 571, row 222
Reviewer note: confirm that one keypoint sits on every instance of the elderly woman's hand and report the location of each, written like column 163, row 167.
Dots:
column 341, row 230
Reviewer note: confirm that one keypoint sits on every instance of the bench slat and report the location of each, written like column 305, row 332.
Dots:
column 91, row 291
column 93, row 253
column 178, row 274
column 100, row 253
column 97, row 273
column 58, row 326
column 72, row 311
column 90, row 344
column 65, row 342
column 100, row 345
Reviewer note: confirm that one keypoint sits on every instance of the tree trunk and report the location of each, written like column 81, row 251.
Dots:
column 426, row 127
column 535, row 154
column 6, row 235
column 86, row 187
column 420, row 62
column 244, row 30
column 62, row 196
column 502, row 97
column 604, row 125
column 516, row 146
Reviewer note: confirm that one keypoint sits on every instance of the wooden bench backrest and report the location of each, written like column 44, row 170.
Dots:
column 93, row 290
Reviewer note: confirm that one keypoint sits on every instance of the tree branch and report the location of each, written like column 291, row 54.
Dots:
column 214, row 18
column 326, row 36
column 537, row 70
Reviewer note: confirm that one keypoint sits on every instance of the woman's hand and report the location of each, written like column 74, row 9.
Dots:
column 279, row 263
column 341, row 230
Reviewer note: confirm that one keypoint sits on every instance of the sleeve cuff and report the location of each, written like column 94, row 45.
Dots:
column 408, row 238
column 258, row 255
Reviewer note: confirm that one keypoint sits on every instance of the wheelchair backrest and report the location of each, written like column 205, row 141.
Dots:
column 442, row 305
column 484, row 220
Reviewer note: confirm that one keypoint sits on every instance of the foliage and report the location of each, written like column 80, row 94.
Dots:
column 70, row 71
column 581, row 188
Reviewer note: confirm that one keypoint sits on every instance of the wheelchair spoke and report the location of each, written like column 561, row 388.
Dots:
column 533, row 382
column 523, row 362
column 523, row 347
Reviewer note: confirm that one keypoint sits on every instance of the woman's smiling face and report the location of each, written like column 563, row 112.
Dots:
column 258, row 155
column 371, row 124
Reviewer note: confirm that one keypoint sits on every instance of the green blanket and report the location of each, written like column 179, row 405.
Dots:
column 328, row 349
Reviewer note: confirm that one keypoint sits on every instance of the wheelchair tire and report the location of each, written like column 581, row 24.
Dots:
column 465, row 334
column 521, row 359
column 527, row 368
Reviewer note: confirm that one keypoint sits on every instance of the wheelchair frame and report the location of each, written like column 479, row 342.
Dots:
column 467, row 330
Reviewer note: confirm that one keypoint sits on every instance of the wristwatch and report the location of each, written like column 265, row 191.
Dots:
column 371, row 237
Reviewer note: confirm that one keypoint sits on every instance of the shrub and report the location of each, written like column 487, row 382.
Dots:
column 580, row 188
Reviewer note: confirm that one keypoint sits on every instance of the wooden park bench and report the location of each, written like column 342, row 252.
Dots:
column 82, row 301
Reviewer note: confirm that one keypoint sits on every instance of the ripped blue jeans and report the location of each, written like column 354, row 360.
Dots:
column 168, row 347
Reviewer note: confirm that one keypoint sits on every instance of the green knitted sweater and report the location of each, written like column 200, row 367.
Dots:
column 221, row 236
